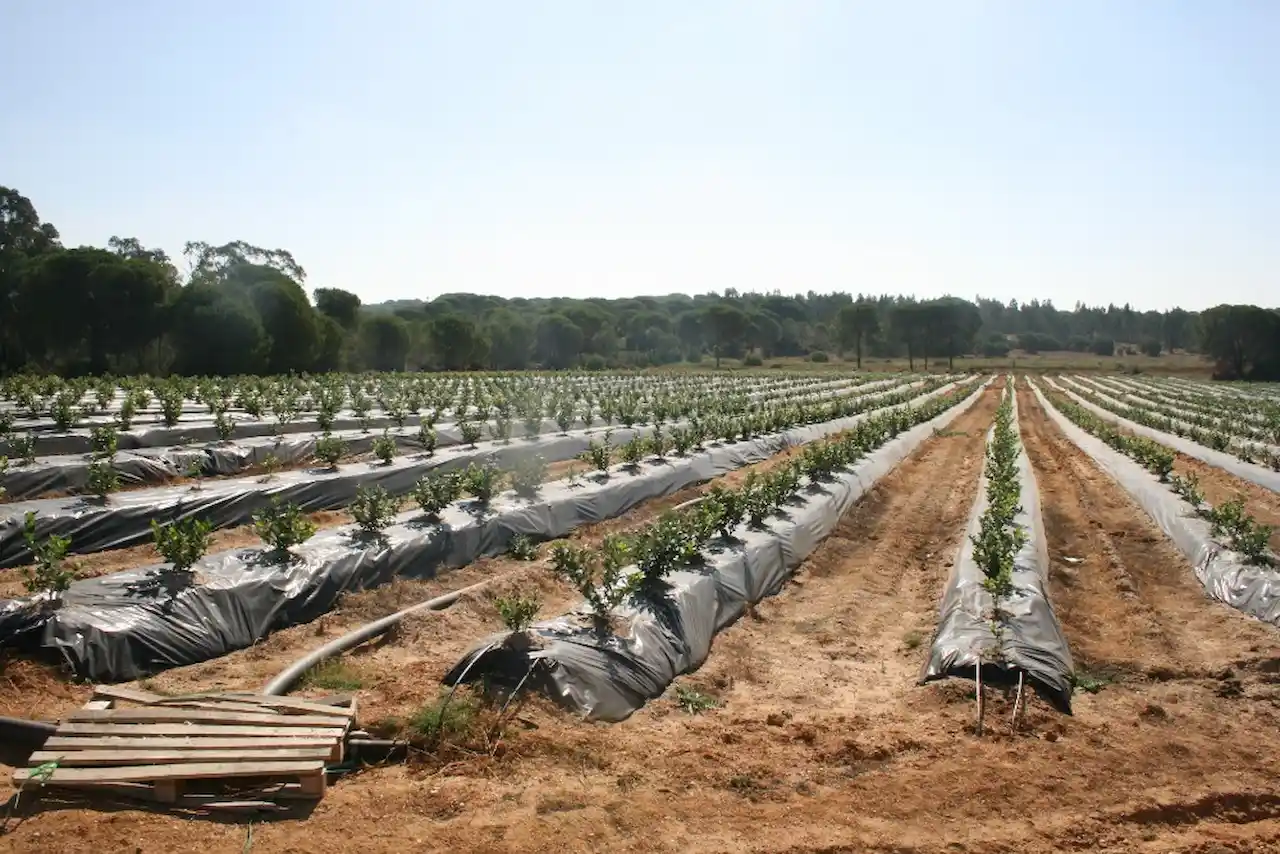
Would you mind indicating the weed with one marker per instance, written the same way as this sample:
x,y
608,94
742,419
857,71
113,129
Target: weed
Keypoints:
x,y
446,718
694,701
333,675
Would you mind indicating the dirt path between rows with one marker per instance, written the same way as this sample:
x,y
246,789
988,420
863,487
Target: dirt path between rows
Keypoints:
x,y
823,741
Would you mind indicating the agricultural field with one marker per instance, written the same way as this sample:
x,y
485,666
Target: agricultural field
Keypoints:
x,y
680,611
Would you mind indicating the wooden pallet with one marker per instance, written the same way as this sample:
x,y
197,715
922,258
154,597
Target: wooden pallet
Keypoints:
x,y
172,749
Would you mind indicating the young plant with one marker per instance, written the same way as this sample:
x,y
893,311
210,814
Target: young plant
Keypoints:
x,y
24,447
128,409
171,406
666,545
223,426
103,440
471,432
723,510
436,491
481,481
182,543
373,509
528,476
632,452
598,454
384,448
49,572
427,438
517,612
102,478
523,548
282,526
63,410
330,449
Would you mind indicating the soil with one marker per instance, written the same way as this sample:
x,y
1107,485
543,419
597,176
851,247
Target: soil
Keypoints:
x,y
821,740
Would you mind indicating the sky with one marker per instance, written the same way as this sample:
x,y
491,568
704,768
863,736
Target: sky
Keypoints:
x,y
1117,151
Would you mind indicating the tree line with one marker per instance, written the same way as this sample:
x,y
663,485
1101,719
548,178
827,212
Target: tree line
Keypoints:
x,y
243,309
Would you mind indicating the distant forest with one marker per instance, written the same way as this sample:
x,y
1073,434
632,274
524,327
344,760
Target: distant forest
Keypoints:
x,y
242,309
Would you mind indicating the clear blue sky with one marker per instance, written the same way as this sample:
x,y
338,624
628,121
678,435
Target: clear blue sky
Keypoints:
x,y
1095,151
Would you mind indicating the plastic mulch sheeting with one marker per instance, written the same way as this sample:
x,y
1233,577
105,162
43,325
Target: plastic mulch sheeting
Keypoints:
x,y
607,676
1229,463
1033,641
126,625
125,519
1226,576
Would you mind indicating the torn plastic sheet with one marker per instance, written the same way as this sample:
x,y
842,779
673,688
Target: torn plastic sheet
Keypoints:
x,y
123,626
126,518
1229,463
1225,574
609,676
1033,641
199,427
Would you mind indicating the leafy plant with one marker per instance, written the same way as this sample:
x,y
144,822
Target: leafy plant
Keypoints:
x,y
523,547
282,526
598,454
427,438
517,612
528,476
102,479
693,701
448,717
171,404
384,448
633,451
481,481
104,439
24,447
63,410
330,449
373,509
724,510
223,425
668,544
470,432
128,408
333,675
49,572
436,491
183,542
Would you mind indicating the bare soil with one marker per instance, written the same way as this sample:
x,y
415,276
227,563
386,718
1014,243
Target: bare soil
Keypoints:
x,y
822,740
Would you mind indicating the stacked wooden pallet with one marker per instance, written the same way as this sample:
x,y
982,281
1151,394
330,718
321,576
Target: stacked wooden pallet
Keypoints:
x,y
180,749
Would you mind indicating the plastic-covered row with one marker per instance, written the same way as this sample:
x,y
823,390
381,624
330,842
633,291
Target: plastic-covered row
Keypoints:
x,y
607,676
1225,574
1032,641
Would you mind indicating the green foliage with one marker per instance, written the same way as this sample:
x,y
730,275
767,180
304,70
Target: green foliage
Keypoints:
x,y
223,425
528,476
481,481
104,439
384,448
330,449
999,535
693,701
447,718
598,454
102,479
436,491
333,674
470,432
523,547
282,526
24,447
427,438
49,571
183,542
517,612
373,509
633,451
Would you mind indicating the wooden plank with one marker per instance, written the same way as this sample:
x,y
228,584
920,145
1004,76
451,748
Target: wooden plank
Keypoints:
x,y
213,704
160,742
159,715
184,771
122,692
68,744
132,730
97,705
87,758
287,705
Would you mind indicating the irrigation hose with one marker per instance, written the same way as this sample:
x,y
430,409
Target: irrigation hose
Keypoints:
x,y
288,678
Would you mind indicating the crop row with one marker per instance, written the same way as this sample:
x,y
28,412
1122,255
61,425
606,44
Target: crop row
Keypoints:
x,y
653,599
1213,433
1230,521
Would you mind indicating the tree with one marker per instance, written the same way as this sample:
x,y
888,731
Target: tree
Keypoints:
x,y
384,342
332,351
1176,329
558,342
287,317
1244,340
689,331
23,237
725,325
216,331
215,263
511,340
1151,346
342,306
907,323
855,324
457,343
